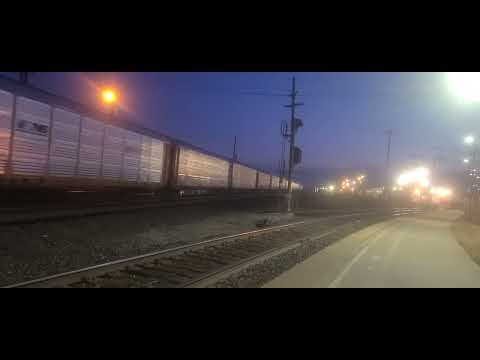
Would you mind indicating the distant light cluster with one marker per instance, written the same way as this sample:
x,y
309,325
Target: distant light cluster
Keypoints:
x,y
342,186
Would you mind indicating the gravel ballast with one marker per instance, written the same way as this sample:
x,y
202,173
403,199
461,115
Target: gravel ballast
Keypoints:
x,y
29,251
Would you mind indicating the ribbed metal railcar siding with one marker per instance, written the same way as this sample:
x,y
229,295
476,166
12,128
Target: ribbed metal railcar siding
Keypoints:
x,y
31,138
157,163
131,156
65,133
6,109
244,177
144,176
91,142
275,183
263,181
112,152
296,186
199,170
54,143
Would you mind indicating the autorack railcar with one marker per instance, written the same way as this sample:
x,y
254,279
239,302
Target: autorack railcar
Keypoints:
x,y
49,141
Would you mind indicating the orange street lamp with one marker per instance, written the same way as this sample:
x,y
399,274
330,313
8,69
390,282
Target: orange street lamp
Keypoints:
x,y
109,96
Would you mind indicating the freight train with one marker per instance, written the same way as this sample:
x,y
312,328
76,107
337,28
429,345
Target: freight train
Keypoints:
x,y
49,141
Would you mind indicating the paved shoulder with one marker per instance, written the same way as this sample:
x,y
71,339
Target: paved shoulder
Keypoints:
x,y
405,252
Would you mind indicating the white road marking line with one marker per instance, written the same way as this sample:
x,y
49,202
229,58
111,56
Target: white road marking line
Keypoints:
x,y
393,248
345,271
357,257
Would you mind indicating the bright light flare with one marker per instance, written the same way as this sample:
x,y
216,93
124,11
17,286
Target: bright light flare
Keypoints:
x,y
469,140
109,96
442,192
466,161
465,85
419,176
424,183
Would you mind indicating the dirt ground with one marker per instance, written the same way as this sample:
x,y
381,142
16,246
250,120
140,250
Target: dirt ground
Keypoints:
x,y
468,236
34,250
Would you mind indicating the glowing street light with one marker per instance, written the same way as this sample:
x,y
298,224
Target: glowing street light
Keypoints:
x,y
465,85
466,161
469,140
109,96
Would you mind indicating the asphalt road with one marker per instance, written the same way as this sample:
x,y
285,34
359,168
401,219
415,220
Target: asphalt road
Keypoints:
x,y
406,252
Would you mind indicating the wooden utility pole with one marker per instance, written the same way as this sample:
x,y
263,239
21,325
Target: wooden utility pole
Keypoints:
x,y
293,129
235,156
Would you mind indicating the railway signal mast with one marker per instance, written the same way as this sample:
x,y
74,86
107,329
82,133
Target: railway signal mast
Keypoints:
x,y
295,152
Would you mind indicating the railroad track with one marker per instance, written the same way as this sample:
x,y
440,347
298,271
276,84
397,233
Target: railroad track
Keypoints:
x,y
193,265
45,212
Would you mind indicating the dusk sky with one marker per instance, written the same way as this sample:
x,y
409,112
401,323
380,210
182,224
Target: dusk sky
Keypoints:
x,y
345,114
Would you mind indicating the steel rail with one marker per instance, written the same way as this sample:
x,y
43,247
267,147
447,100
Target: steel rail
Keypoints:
x,y
149,255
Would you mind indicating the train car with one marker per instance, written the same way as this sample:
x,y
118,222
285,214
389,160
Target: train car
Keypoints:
x,y
46,140
132,151
296,186
283,185
197,170
52,145
263,181
29,139
6,108
244,177
275,185
90,149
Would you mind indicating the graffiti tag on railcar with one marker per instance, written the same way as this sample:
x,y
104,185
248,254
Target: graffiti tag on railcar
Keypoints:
x,y
32,128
